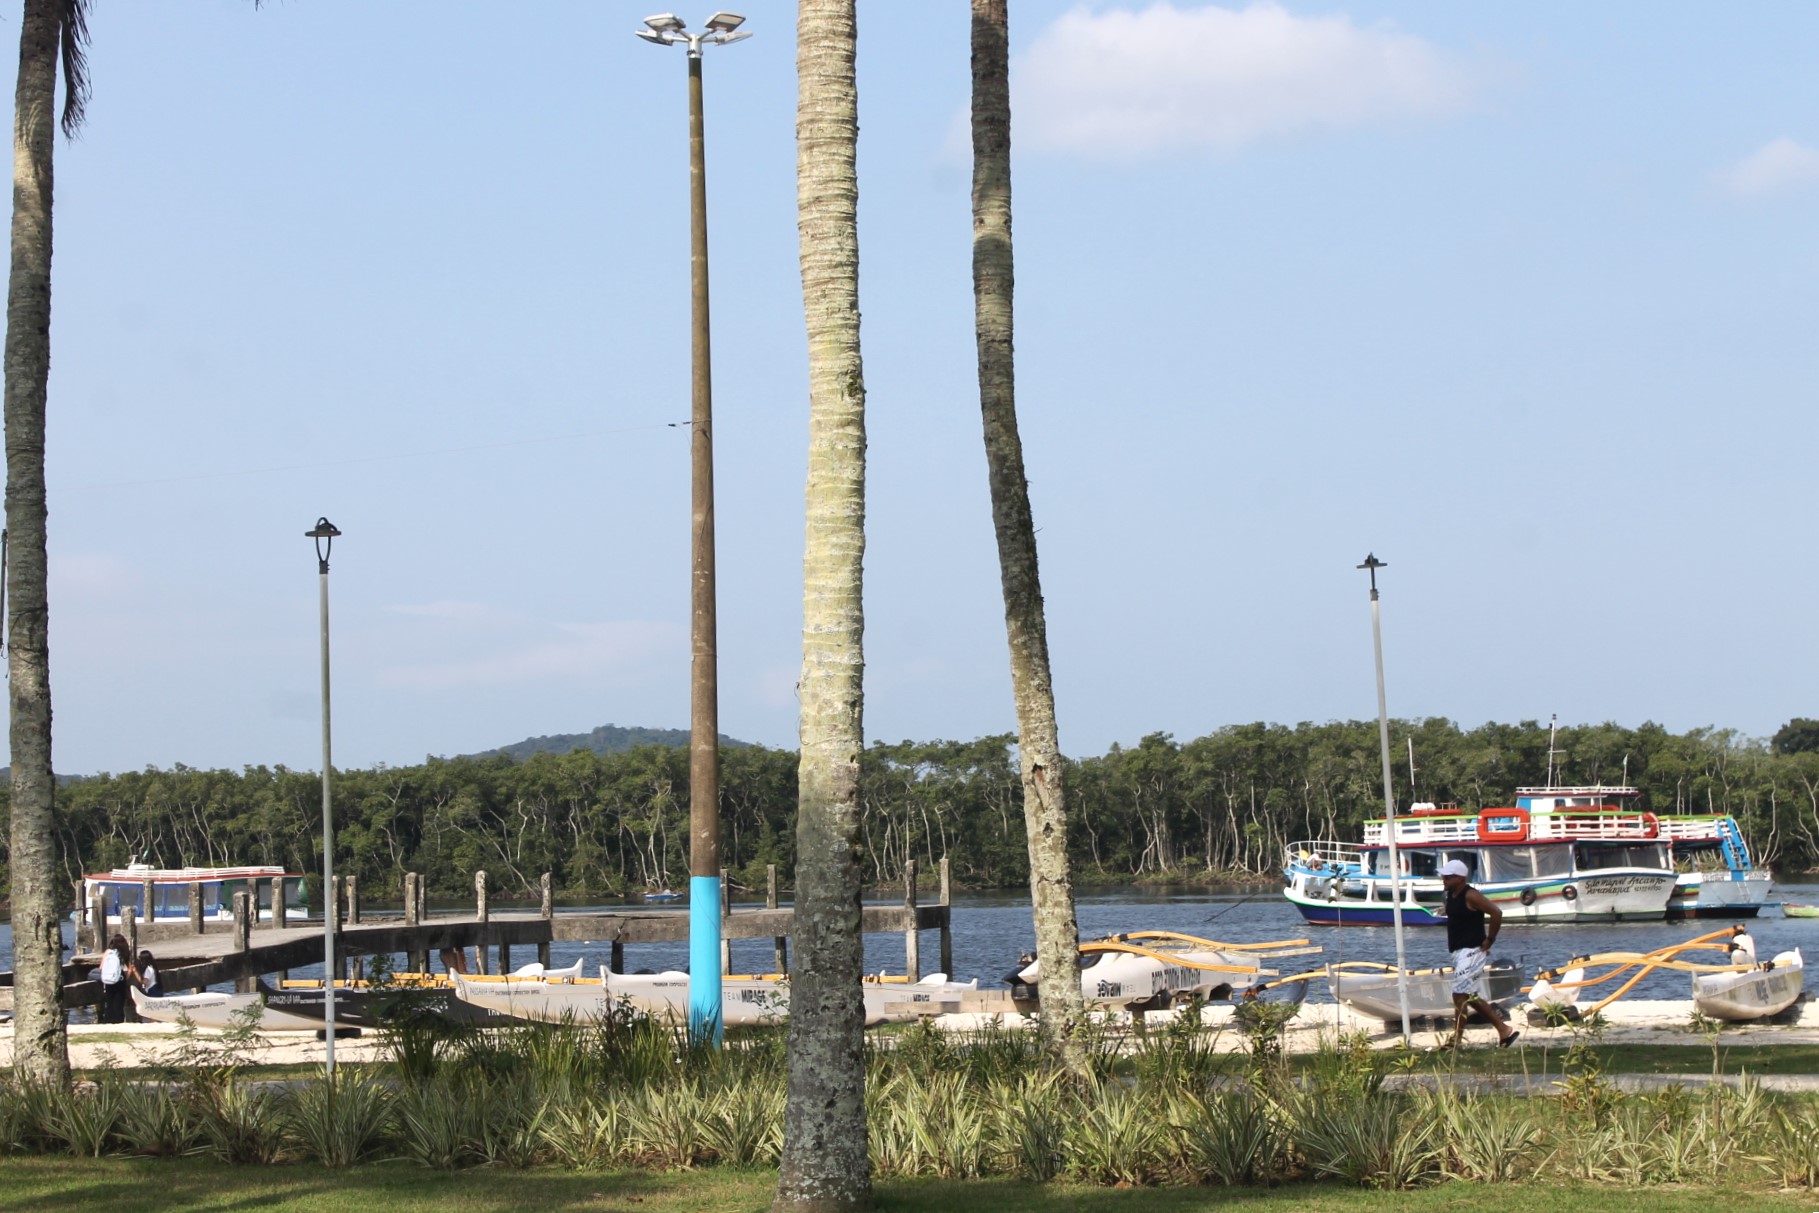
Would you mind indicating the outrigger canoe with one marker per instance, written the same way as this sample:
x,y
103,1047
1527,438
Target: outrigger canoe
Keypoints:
x,y
1757,993
1371,989
1152,970
745,1001
1563,986
210,1009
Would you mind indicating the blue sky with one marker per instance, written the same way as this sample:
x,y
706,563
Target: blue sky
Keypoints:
x,y
1517,297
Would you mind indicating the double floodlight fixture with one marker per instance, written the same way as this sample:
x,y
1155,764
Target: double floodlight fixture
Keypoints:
x,y
667,29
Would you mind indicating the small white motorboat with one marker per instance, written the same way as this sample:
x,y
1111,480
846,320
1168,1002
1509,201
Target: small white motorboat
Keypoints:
x,y
1754,993
1371,989
209,1009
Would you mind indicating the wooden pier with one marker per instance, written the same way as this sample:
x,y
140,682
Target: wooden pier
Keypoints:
x,y
200,952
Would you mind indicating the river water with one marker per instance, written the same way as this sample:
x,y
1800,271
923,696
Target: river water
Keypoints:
x,y
991,930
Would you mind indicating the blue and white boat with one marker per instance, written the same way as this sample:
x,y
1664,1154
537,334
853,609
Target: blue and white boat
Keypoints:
x,y
163,894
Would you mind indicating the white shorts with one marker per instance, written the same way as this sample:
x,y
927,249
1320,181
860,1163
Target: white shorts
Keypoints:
x,y
1468,972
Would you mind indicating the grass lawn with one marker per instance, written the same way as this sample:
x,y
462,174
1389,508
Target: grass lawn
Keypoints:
x,y
151,1186
1632,1059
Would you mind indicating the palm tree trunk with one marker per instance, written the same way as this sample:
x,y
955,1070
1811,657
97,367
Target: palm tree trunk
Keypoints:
x,y
1038,742
825,1167
40,1044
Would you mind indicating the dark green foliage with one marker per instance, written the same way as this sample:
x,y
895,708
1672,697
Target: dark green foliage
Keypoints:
x,y
607,739
606,824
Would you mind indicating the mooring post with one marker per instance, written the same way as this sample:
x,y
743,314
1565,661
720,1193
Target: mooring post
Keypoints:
x,y
276,897
549,913
422,899
480,913
243,936
97,917
779,942
616,957
147,892
353,901
417,959
912,933
195,907
726,913
334,927
129,927
947,922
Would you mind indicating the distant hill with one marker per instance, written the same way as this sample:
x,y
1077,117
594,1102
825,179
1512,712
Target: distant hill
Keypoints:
x,y
607,739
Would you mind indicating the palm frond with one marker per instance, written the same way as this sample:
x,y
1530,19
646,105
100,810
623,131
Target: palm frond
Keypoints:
x,y
72,40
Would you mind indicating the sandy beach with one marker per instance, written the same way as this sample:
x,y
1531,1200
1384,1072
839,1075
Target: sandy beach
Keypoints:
x,y
138,1045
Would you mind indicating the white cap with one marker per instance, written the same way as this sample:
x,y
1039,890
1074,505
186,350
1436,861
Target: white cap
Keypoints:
x,y
1454,867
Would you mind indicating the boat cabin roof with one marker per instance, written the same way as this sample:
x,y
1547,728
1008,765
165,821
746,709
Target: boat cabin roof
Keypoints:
x,y
139,873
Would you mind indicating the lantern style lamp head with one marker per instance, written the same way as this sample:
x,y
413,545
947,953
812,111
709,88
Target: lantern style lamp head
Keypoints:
x,y
324,535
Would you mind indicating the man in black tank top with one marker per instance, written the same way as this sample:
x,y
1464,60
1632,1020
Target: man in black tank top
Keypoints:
x,y
1469,939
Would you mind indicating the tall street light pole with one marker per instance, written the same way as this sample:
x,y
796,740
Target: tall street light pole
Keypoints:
x,y
704,893
324,535
1389,797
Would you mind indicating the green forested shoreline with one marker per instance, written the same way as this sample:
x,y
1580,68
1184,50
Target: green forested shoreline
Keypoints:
x,y
1220,805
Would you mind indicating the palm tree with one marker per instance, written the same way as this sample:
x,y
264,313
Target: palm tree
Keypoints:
x,y
1038,745
825,1165
51,30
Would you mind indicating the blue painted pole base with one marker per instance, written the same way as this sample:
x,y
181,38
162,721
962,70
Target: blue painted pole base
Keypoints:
x,y
705,1023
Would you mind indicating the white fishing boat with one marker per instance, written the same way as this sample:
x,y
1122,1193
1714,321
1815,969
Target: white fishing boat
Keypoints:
x,y
163,894
209,1009
1754,993
1371,989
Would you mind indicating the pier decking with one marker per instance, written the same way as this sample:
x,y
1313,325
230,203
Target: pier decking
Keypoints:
x,y
197,953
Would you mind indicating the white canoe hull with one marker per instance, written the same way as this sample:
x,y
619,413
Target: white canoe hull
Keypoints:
x,y
744,1002
1430,994
213,1010
1755,994
1132,979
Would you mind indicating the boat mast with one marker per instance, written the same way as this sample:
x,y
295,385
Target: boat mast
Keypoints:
x,y
1553,729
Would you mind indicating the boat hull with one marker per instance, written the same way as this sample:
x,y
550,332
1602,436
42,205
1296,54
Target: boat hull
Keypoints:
x,y
1719,895
1430,994
1756,994
744,1002
221,1011
369,1007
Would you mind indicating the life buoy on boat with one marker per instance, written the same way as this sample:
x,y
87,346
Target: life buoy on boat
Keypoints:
x,y
1503,825
1528,896
1570,893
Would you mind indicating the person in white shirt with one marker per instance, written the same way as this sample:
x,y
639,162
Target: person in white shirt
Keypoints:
x,y
115,963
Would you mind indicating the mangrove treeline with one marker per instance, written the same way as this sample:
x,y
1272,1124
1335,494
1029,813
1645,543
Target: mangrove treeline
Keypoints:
x,y
1220,805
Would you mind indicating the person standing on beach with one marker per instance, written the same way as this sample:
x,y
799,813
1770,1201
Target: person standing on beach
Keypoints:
x,y
116,963
1469,939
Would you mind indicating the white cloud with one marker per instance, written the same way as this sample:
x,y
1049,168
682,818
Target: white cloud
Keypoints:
x,y
1779,164
1122,83
568,652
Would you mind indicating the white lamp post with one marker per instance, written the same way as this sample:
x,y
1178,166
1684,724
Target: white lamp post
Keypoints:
x,y
324,535
1389,798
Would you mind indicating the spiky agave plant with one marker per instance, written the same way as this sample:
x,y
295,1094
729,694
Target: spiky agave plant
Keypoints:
x,y
342,1121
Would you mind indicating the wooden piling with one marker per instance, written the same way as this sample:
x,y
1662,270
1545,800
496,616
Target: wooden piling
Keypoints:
x,y
275,895
480,912
726,912
353,900
413,912
912,935
195,907
947,922
410,899
779,942
616,957
147,891
97,918
244,909
549,912
129,927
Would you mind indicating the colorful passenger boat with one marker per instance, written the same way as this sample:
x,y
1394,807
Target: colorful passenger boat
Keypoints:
x,y
1561,854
